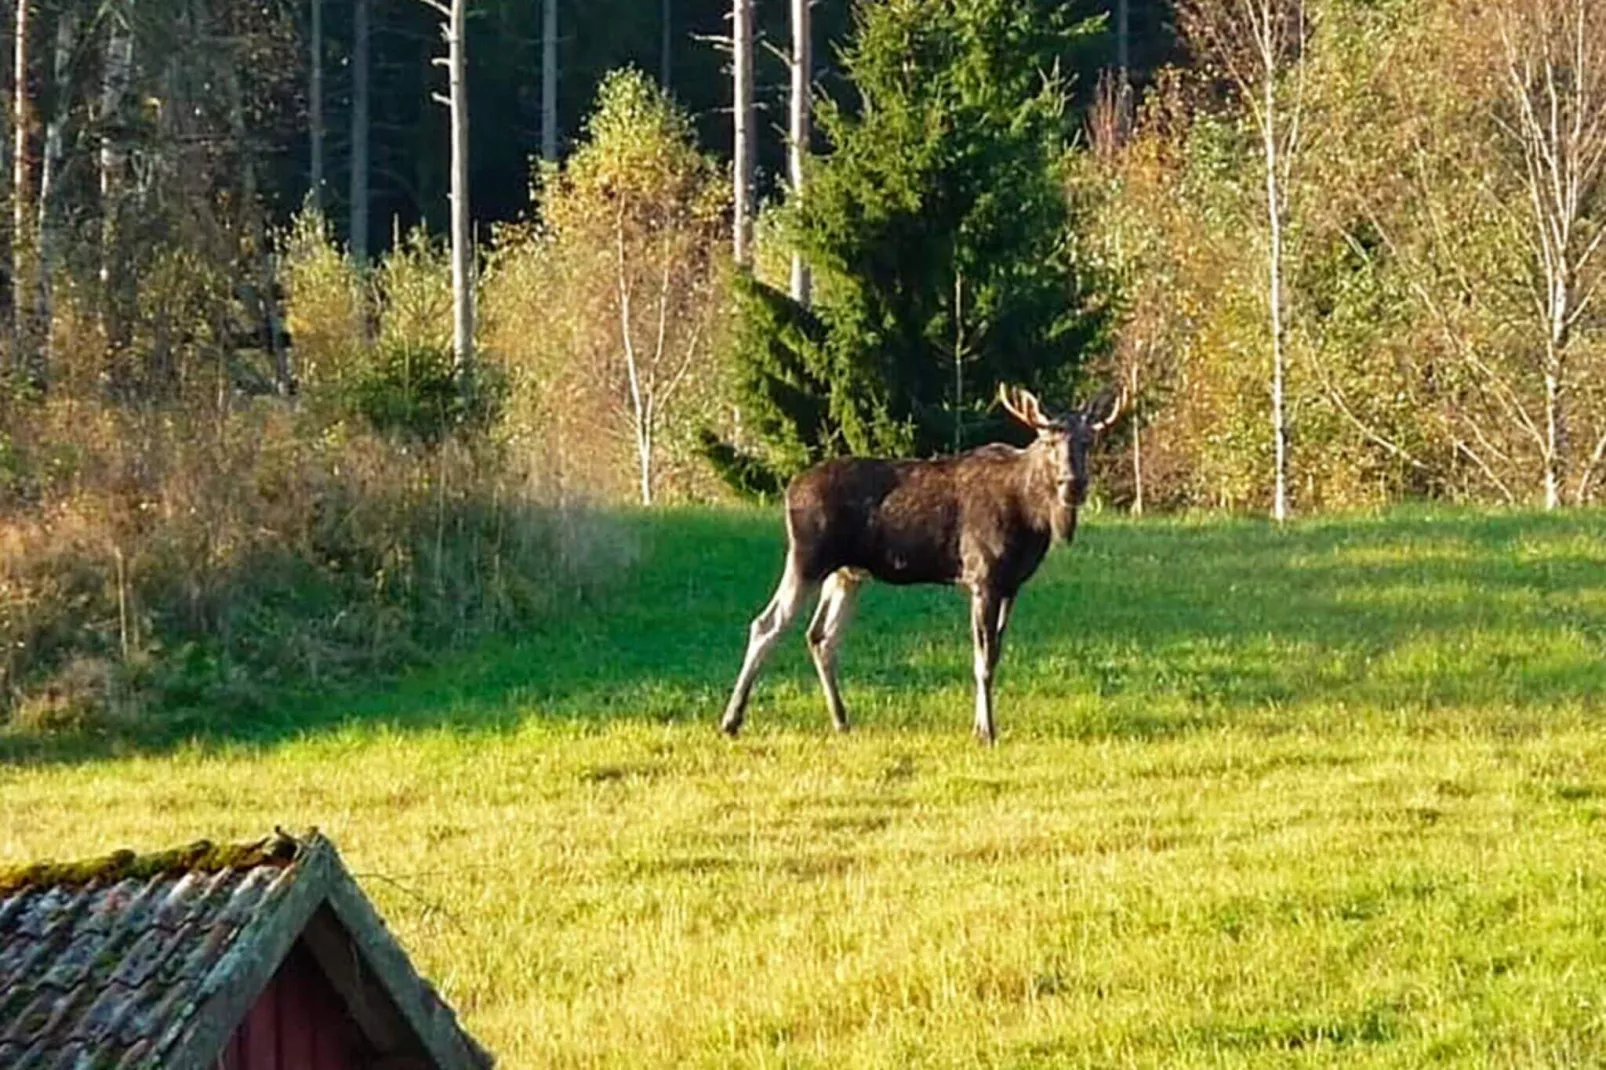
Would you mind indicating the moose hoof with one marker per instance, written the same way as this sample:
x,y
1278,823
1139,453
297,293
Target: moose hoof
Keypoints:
x,y
730,725
986,737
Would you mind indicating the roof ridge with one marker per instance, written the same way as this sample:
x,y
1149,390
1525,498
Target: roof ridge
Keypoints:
x,y
201,856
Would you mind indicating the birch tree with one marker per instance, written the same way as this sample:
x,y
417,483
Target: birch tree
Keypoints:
x,y
22,246
1481,166
797,142
49,222
1554,121
116,76
1260,46
453,13
742,84
634,219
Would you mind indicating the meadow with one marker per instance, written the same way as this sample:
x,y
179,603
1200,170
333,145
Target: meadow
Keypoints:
x,y
1325,795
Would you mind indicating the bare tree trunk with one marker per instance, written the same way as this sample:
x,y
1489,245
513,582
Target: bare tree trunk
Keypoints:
x,y
359,131
549,81
452,14
1555,416
1137,447
22,251
798,135
1123,65
315,105
959,355
6,244
258,282
462,237
742,43
666,67
641,421
115,79
48,229
1123,38
1274,282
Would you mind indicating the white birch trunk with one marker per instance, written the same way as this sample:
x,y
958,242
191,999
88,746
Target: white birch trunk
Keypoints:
x,y
798,133
742,76
1274,215
462,238
1137,448
49,232
640,410
21,196
115,78
1555,418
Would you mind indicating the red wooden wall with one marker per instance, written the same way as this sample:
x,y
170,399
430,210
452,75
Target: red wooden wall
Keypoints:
x,y
298,1023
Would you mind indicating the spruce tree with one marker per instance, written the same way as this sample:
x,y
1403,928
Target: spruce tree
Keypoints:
x,y
942,243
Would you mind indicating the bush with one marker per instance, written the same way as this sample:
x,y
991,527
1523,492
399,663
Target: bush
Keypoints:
x,y
178,565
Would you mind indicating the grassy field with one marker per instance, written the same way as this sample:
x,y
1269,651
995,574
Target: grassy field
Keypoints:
x,y
1329,795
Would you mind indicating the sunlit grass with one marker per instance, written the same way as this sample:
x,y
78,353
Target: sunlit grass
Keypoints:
x,y
1326,796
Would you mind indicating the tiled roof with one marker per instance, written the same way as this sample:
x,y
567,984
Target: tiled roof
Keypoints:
x,y
140,962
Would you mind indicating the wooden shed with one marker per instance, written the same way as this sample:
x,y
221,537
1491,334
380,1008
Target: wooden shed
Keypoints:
x,y
261,956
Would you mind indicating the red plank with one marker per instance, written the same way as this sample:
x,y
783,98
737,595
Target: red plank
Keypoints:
x,y
298,1023
259,1032
299,1017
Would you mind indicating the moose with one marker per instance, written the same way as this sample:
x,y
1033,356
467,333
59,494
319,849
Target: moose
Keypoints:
x,y
982,520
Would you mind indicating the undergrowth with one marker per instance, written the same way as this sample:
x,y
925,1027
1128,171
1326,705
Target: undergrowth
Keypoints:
x,y
170,567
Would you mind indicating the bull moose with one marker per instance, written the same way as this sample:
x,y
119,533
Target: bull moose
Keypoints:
x,y
982,520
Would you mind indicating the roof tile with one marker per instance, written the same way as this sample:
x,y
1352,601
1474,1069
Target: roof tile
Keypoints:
x,y
74,961
110,964
98,960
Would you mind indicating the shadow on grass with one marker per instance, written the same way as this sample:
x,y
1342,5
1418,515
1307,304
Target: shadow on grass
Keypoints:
x,y
1143,629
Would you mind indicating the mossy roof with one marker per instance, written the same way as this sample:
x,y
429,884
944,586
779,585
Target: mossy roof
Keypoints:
x,y
134,961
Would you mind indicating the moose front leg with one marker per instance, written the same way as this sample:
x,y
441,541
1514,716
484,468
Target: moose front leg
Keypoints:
x,y
987,609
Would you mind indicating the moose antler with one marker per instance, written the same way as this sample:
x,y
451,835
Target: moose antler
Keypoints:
x,y
1116,408
1022,405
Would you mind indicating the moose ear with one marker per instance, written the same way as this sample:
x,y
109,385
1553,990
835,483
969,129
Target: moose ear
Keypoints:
x,y
1108,407
1023,406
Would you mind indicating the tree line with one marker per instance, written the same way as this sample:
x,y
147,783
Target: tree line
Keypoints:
x,y
1333,276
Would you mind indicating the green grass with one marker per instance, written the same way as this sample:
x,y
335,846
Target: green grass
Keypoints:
x,y
1330,795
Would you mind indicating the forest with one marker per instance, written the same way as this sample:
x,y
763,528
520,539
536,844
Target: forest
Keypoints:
x,y
307,372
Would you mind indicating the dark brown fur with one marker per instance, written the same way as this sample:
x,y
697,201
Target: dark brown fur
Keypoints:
x,y
989,514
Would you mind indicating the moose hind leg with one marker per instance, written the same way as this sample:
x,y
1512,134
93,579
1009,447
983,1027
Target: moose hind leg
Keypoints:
x,y
825,633
761,638
986,629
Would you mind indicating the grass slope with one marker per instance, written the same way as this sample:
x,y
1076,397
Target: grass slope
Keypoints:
x,y
1331,795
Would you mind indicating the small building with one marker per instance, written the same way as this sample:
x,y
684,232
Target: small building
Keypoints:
x,y
261,956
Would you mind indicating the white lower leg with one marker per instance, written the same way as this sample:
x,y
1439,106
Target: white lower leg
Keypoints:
x,y
825,633
765,632
984,695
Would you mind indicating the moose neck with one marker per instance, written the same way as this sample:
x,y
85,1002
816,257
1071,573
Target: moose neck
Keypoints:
x,y
1044,505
